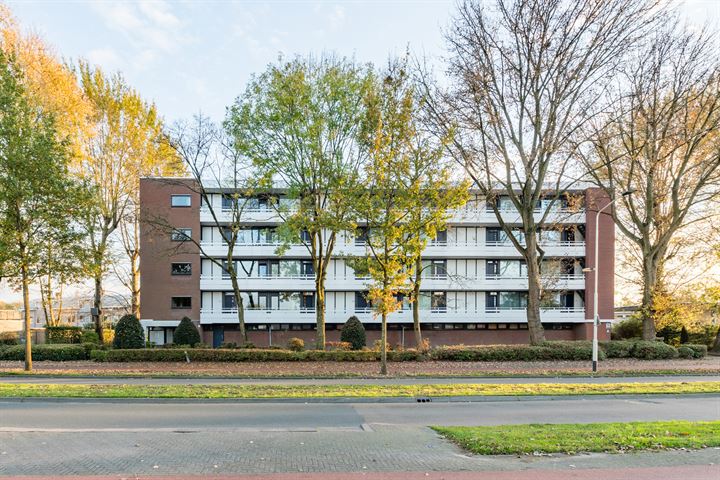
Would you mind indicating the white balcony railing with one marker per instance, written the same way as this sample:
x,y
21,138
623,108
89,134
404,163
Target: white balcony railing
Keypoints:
x,y
438,315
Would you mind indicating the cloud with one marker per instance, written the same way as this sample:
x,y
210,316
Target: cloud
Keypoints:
x,y
107,58
148,25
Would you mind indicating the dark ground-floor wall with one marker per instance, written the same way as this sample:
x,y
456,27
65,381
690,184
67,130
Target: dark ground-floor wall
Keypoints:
x,y
263,338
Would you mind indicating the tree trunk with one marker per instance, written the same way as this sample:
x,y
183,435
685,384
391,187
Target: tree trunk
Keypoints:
x,y
535,328
240,305
648,298
383,345
97,304
28,321
320,311
135,284
416,304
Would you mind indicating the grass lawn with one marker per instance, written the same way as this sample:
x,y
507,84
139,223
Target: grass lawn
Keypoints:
x,y
575,437
347,391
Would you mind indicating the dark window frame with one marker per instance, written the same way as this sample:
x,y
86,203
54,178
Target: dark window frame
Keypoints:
x,y
175,235
180,274
173,305
180,195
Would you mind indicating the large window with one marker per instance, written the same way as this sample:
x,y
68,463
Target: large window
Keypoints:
x,y
181,302
361,301
181,268
181,234
434,301
180,200
438,268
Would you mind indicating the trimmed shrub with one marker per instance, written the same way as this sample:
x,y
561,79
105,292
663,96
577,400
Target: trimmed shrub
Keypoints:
x,y
63,334
296,344
699,351
9,338
645,350
186,333
338,346
48,352
90,336
685,352
508,353
129,333
618,348
248,355
353,332
630,328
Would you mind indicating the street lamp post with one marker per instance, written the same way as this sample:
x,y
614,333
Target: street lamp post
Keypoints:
x,y
596,319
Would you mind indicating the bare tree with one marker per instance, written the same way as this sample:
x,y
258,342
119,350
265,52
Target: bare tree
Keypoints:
x,y
216,167
524,75
662,139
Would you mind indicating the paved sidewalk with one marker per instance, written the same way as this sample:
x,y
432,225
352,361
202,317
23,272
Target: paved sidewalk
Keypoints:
x,y
691,472
354,381
385,449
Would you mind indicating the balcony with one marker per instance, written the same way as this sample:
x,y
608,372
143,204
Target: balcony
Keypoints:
x,y
352,283
470,215
258,215
255,316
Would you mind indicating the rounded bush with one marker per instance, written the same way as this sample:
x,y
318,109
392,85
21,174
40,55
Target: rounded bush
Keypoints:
x,y
90,336
618,348
9,338
296,344
685,352
645,350
186,333
630,328
353,333
129,333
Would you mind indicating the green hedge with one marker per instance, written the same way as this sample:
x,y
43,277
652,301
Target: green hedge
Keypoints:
x,y
63,335
54,352
508,353
618,348
248,355
645,350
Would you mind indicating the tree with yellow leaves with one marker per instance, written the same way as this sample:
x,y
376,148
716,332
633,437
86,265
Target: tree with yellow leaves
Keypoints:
x,y
126,145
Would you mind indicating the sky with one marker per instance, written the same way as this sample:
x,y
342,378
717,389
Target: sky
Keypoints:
x,y
191,56
197,56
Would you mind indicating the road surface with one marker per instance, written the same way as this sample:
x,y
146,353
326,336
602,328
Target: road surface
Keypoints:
x,y
200,438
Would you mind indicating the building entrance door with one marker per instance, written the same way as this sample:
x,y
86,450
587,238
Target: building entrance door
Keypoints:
x,y
218,335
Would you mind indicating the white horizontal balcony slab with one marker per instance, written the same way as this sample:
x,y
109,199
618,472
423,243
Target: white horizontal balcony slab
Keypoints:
x,y
251,215
434,250
263,250
254,316
473,216
288,283
350,283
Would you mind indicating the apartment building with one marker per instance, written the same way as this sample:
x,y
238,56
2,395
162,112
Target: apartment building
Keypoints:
x,y
474,289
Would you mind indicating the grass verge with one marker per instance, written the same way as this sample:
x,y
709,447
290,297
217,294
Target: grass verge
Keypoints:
x,y
347,391
343,375
592,437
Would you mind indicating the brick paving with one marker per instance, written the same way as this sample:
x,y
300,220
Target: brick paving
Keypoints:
x,y
384,449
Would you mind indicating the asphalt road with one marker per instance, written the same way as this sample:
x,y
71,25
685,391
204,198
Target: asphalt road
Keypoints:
x,y
200,416
353,381
127,440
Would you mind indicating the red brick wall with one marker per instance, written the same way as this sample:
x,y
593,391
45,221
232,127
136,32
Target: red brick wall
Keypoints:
x,y
595,199
157,252
436,337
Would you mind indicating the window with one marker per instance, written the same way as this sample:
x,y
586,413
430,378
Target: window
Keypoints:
x,y
181,234
361,236
180,200
493,235
307,268
181,302
229,301
228,202
492,267
438,268
181,268
438,301
361,301
307,301
440,237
